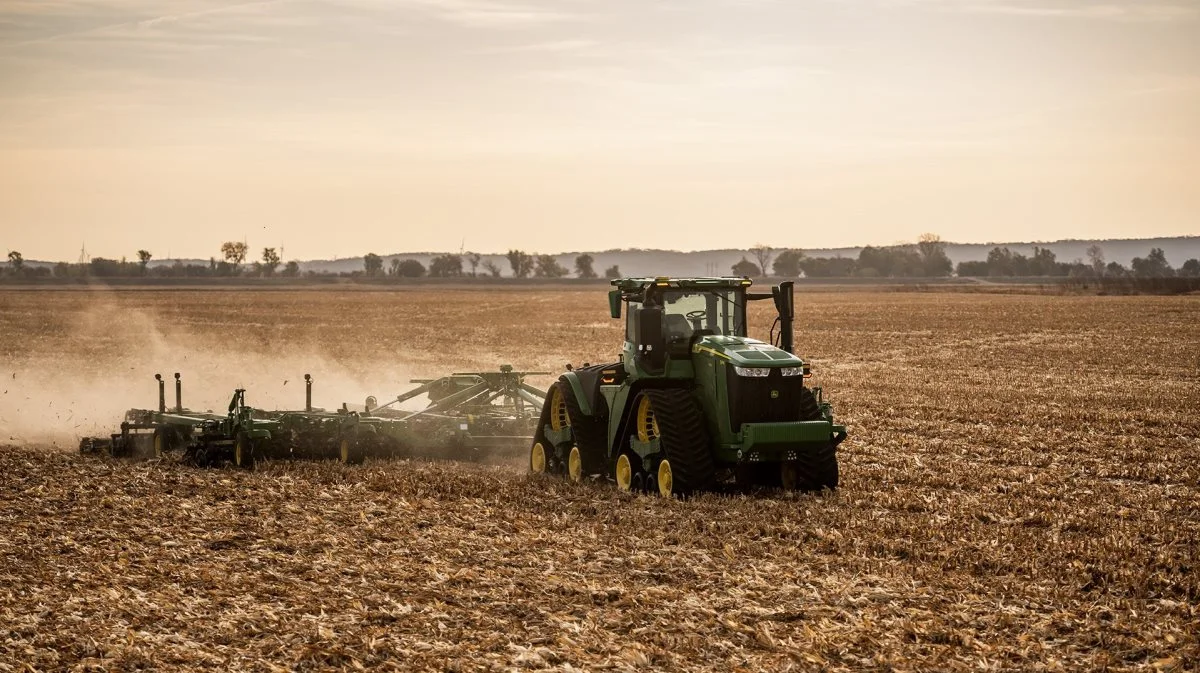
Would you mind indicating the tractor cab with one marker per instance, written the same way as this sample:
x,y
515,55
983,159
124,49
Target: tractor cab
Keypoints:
x,y
668,317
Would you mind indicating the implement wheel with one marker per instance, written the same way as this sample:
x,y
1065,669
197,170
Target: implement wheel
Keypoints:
x,y
350,452
687,463
166,440
244,454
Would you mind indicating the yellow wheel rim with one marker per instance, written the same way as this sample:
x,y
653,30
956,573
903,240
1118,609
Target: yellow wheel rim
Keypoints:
x,y
344,451
239,453
664,479
789,477
558,410
158,444
575,465
624,473
537,459
647,424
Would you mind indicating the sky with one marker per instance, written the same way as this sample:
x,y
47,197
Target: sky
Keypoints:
x,y
340,127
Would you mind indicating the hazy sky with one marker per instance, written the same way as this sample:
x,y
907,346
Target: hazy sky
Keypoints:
x,y
338,127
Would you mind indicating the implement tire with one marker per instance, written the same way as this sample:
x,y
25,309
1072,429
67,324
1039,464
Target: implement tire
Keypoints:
x,y
684,439
245,454
589,433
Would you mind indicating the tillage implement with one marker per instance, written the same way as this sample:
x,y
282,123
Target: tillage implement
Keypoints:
x,y
693,402
467,415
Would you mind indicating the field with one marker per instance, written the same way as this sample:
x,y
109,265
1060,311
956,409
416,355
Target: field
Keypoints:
x,y
1021,491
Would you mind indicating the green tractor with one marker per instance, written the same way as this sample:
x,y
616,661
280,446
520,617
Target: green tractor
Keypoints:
x,y
693,403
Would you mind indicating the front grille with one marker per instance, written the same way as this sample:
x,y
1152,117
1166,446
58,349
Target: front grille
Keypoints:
x,y
751,399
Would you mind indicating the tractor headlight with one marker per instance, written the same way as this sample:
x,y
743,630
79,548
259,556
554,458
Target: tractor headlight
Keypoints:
x,y
792,371
752,371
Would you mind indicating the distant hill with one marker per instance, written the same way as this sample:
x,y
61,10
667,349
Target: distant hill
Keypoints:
x,y
636,262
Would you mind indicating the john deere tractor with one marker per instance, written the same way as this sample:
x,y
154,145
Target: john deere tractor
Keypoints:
x,y
693,402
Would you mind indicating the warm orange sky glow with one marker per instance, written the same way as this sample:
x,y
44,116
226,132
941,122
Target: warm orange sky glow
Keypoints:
x,y
338,127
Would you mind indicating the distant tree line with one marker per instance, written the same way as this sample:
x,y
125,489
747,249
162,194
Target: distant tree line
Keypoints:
x,y
450,265
232,264
928,259
925,259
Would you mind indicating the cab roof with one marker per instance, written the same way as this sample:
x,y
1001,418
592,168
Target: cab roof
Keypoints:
x,y
628,284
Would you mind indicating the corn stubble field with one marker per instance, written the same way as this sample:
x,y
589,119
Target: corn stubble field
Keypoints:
x,y
1020,491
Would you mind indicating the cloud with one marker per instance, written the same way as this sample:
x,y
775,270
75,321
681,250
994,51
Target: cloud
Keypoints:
x,y
552,46
488,13
1112,10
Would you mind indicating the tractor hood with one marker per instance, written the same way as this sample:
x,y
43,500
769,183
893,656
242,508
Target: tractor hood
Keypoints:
x,y
745,352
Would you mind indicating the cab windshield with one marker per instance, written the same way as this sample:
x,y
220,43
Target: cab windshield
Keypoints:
x,y
687,311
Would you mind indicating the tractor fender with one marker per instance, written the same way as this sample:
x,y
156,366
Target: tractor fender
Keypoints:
x,y
585,404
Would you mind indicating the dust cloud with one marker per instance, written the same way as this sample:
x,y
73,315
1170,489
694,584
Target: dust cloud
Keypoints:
x,y
57,395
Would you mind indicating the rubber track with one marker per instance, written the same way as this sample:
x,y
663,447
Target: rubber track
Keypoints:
x,y
809,409
819,469
590,433
539,435
684,438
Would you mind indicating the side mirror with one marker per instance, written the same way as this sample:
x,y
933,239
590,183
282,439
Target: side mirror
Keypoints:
x,y
785,304
651,345
784,300
614,303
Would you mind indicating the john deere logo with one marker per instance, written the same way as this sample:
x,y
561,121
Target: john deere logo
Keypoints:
x,y
774,394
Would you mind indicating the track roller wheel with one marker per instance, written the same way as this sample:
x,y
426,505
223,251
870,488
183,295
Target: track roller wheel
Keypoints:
x,y
623,473
575,465
537,459
244,455
666,481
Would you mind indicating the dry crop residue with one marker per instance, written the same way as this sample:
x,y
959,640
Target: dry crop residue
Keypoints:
x,y
1020,491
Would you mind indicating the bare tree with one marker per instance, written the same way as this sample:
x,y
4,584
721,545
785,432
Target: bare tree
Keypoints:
x,y
473,259
1096,258
144,259
492,268
270,261
763,253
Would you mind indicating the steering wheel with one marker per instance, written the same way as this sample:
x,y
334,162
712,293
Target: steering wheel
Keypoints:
x,y
698,314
